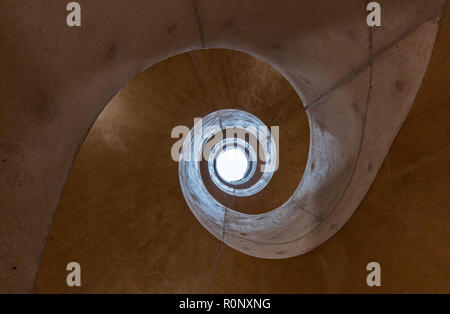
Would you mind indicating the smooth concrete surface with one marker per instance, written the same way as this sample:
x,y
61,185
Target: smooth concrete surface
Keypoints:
x,y
342,143
123,201
402,223
348,77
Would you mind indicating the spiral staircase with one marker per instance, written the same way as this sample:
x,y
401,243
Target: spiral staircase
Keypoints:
x,y
85,144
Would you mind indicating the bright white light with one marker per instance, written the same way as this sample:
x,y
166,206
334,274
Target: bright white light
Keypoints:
x,y
232,164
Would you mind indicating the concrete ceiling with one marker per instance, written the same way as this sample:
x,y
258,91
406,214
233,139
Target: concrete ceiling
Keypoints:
x,y
356,85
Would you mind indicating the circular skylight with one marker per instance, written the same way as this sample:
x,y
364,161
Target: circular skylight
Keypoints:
x,y
232,164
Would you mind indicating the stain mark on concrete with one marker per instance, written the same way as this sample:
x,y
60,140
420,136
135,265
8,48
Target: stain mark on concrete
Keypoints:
x,y
356,108
112,52
399,86
370,168
47,110
230,23
171,29
351,34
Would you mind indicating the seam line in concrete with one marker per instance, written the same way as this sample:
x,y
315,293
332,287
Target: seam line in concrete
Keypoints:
x,y
219,251
199,23
374,56
213,269
371,61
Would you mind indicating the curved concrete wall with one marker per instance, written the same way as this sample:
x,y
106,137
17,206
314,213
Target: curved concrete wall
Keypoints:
x,y
348,76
